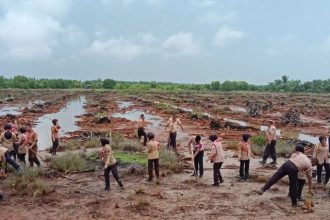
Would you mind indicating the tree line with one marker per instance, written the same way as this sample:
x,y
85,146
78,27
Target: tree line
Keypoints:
x,y
280,85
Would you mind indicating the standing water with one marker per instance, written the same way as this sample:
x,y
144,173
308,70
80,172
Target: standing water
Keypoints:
x,y
67,120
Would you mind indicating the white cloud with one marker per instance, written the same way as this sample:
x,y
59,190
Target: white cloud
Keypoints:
x,y
226,35
181,44
29,29
270,52
120,49
212,17
130,2
147,38
288,37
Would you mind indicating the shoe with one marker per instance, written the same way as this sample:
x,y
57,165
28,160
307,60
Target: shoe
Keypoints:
x,y
262,162
194,174
107,189
272,163
261,191
200,176
149,180
294,205
215,184
221,181
241,180
121,184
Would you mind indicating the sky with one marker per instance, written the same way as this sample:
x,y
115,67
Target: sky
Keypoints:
x,y
192,41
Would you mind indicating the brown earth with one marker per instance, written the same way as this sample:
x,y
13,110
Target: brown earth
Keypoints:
x,y
178,196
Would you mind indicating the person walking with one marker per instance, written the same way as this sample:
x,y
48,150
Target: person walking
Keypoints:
x,y
270,149
217,157
110,164
22,144
298,162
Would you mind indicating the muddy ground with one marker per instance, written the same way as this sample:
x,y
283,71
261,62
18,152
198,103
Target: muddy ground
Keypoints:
x,y
178,196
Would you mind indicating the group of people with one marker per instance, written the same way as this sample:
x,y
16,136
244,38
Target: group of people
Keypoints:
x,y
16,143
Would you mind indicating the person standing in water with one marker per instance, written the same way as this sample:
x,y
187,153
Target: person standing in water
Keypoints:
x,y
141,132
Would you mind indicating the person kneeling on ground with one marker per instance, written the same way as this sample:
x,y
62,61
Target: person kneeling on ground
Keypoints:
x,y
298,162
198,154
244,155
110,163
217,157
5,157
153,156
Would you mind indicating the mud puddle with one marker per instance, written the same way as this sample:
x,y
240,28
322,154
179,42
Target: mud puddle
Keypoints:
x,y
124,104
67,120
13,110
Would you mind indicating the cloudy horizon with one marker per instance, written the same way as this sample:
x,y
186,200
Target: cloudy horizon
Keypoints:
x,y
192,41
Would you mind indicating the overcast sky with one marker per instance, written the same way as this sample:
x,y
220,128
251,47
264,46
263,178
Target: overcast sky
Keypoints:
x,y
166,40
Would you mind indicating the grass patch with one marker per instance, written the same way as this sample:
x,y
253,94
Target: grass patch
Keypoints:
x,y
30,182
168,159
70,162
128,145
259,140
130,158
283,149
92,143
231,145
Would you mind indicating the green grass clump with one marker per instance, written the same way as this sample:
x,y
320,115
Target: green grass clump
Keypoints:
x,y
29,182
259,140
128,145
92,143
131,158
168,159
69,162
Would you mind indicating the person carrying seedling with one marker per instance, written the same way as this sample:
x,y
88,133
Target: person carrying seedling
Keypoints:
x,y
110,163
173,123
217,157
322,155
8,142
196,149
298,162
55,136
32,146
141,132
270,149
244,155
153,148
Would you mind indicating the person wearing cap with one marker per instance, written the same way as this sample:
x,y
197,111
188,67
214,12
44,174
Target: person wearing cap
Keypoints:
x,y
110,163
298,162
270,149
322,155
141,132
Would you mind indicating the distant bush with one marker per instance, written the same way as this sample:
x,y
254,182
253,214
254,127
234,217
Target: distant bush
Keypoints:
x,y
92,143
259,140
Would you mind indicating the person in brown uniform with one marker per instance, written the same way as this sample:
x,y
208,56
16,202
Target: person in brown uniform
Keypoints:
x,y
298,162
244,155
55,136
153,156
22,144
110,163
32,146
270,149
141,132
322,155
173,123
8,142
